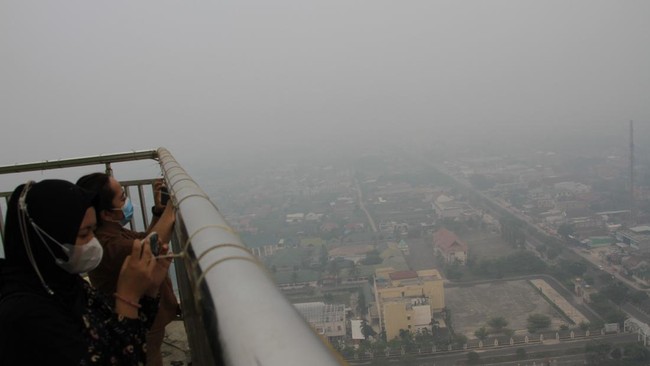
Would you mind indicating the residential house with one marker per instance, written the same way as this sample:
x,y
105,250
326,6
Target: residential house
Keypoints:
x,y
447,207
452,249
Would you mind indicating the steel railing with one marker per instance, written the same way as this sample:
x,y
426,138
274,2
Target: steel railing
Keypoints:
x,y
233,312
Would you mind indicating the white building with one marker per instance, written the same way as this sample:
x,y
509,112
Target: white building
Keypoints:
x,y
327,319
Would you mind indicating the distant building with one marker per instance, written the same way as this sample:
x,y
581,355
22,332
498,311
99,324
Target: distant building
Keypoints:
x,y
407,300
572,187
637,237
354,253
295,217
446,207
268,249
403,247
582,289
356,326
327,319
452,249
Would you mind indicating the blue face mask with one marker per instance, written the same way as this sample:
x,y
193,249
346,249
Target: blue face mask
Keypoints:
x,y
127,211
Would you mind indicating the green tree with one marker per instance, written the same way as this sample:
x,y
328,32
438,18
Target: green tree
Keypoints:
x,y
537,322
459,340
362,307
637,296
565,230
367,330
354,270
497,323
473,358
323,256
406,336
577,269
553,253
636,352
453,271
372,257
616,292
481,333
597,352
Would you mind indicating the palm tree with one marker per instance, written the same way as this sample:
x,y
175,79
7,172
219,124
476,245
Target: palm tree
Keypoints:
x,y
354,270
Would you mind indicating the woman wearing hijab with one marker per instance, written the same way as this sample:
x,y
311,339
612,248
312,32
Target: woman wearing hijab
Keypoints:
x,y
48,313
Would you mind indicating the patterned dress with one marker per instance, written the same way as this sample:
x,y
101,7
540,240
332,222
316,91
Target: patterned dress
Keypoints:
x,y
114,339
39,329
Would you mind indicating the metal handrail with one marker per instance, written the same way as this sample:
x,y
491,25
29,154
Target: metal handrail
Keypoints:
x,y
246,319
233,312
76,162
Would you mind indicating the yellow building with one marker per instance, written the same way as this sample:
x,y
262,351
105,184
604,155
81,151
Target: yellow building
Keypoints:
x,y
407,299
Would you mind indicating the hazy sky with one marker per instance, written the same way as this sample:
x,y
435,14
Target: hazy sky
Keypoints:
x,y
225,79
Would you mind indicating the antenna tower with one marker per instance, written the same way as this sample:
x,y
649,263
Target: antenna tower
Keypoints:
x,y
632,210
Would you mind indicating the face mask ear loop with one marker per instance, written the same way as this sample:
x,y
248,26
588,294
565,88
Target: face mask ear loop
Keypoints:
x,y
22,208
38,231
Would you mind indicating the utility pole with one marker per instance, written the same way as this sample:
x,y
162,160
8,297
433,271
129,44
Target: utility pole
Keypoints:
x,y
632,210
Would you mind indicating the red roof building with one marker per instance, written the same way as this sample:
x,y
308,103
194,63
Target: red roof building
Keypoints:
x,y
450,246
402,275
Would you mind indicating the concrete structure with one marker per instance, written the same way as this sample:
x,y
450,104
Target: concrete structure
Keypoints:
x,y
582,289
407,300
446,207
356,326
447,244
326,319
637,237
268,249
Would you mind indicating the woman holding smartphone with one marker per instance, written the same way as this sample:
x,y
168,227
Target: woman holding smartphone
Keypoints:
x,y
114,211
48,313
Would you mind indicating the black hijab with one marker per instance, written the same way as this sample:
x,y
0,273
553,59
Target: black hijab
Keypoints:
x,y
58,208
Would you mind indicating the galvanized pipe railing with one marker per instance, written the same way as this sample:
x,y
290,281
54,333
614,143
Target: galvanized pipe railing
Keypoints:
x,y
233,312
245,318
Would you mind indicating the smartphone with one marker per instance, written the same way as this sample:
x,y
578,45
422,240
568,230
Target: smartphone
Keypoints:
x,y
164,196
153,243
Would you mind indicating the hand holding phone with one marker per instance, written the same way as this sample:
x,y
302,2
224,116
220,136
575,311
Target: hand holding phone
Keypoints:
x,y
153,243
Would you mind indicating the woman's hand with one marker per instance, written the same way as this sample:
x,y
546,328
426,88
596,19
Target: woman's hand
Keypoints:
x,y
135,274
157,194
159,271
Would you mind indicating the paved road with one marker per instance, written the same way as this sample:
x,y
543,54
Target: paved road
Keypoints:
x,y
453,358
363,206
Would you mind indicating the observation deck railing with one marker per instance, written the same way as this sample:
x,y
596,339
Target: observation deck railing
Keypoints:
x,y
233,312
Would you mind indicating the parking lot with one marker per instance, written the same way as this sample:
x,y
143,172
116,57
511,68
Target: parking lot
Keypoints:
x,y
472,307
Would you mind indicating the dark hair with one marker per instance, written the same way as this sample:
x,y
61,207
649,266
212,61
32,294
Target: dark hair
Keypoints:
x,y
56,207
100,184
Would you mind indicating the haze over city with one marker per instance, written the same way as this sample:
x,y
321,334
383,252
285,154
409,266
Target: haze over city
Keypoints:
x,y
436,175
218,81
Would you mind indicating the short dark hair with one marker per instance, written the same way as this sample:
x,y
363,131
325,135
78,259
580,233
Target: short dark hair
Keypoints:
x,y
98,183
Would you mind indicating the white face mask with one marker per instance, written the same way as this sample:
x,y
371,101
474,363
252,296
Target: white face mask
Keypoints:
x,y
81,258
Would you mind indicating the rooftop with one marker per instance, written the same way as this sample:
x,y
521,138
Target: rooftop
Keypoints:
x,y
319,312
403,275
445,240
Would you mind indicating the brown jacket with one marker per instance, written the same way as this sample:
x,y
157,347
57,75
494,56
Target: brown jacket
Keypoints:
x,y
118,243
